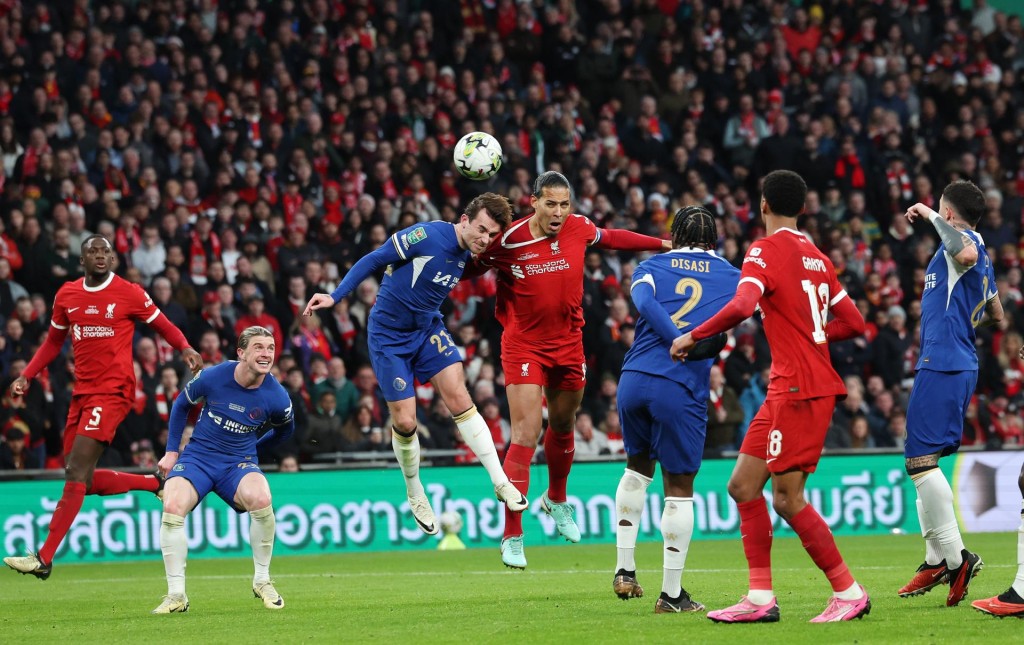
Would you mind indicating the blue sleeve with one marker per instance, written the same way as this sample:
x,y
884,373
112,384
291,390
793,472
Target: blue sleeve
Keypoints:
x,y
283,422
189,396
366,266
652,311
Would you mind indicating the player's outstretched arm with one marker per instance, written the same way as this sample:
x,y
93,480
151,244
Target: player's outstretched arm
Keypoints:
x,y
958,244
620,240
277,435
736,311
177,340
847,322
362,269
49,350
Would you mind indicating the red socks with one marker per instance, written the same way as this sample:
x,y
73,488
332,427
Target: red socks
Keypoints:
x,y
559,450
111,482
65,513
821,546
517,467
756,532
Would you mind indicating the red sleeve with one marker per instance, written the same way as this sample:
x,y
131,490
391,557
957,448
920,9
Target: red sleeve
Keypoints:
x,y
474,269
739,309
171,334
618,239
847,322
143,307
49,351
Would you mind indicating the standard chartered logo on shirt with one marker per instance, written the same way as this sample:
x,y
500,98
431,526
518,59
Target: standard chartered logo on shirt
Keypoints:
x,y
78,332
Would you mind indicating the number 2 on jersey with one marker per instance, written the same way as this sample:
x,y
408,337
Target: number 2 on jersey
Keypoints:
x,y
440,339
694,288
817,298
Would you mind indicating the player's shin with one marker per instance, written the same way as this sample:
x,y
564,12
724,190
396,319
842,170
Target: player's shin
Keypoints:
x,y
676,530
629,507
932,552
559,450
174,546
756,533
821,546
407,450
937,501
477,436
261,539
65,513
517,467
111,482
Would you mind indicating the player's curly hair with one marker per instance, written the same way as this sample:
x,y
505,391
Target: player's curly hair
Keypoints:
x,y
694,226
785,191
498,207
550,179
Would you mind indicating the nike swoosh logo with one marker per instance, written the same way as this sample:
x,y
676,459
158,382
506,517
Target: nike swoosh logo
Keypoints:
x,y
71,309
768,461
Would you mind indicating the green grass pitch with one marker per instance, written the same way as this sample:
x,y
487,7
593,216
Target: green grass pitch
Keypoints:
x,y
468,596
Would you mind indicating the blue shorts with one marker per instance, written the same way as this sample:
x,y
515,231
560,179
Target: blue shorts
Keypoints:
x,y
399,356
936,411
217,473
662,418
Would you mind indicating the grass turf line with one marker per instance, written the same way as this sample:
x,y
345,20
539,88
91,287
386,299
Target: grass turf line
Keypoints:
x,y
443,597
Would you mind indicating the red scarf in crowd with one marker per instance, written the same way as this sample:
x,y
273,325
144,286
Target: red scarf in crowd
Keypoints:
x,y
850,164
199,263
902,179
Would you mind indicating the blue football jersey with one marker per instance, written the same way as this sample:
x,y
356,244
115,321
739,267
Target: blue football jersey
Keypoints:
x,y
692,285
952,305
232,415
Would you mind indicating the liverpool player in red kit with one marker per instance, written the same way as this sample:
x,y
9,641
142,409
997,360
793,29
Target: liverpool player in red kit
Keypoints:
x,y
539,261
796,287
99,311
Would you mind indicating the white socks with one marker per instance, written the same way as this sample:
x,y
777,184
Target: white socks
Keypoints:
x,y
174,546
407,450
676,530
932,554
1018,582
261,539
477,436
629,506
937,503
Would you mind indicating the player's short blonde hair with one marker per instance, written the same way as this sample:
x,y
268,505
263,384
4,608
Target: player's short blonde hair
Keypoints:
x,y
251,332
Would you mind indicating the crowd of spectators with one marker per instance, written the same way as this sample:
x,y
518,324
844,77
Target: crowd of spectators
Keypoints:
x,y
242,154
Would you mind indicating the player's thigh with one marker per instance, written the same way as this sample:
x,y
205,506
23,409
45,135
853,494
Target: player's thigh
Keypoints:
x,y
936,410
567,366
253,491
391,356
525,415
195,471
450,383
96,416
634,413
679,427
228,475
180,496
797,435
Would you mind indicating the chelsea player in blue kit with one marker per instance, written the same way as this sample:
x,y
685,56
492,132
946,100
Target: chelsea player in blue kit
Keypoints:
x,y
663,403
240,402
408,339
959,289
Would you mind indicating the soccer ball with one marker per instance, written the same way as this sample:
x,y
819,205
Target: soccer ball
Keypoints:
x,y
451,522
477,156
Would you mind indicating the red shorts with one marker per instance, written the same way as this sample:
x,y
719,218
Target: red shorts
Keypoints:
x,y
558,366
789,434
96,416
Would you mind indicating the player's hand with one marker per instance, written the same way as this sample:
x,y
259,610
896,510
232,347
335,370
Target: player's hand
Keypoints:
x,y
920,210
193,359
166,463
666,245
318,301
20,386
681,346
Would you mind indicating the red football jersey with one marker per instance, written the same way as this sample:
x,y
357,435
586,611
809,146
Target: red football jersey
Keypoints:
x,y
798,284
102,327
540,280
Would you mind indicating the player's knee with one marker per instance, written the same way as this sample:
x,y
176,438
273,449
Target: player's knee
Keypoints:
x,y
76,473
259,501
786,506
742,491
175,506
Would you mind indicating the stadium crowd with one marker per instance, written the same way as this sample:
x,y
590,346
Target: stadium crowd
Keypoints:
x,y
242,154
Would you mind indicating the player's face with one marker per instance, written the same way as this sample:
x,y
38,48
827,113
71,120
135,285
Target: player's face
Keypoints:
x,y
552,207
479,232
259,355
98,257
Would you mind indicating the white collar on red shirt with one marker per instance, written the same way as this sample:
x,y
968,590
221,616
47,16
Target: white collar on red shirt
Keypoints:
x,y
106,283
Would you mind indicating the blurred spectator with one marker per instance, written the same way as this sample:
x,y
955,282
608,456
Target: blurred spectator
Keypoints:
x,y
324,428
590,442
14,453
724,415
